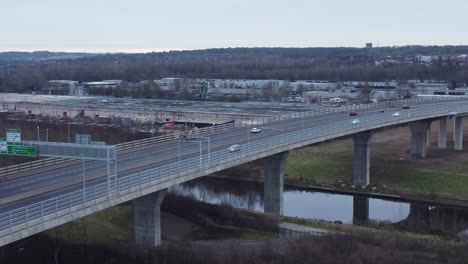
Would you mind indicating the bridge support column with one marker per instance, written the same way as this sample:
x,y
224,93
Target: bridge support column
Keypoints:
x,y
361,158
360,210
442,133
428,136
458,133
418,138
273,186
418,217
148,219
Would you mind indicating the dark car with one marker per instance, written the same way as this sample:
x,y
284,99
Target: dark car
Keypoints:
x,y
352,113
406,107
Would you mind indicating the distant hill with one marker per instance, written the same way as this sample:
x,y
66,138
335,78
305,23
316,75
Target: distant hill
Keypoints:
x,y
42,55
238,54
281,53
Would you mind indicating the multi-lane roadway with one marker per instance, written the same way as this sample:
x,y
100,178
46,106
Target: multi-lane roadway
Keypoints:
x,y
39,185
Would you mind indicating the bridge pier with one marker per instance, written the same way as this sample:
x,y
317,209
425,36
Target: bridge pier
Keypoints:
x,y
418,138
148,219
418,216
458,133
428,136
273,185
361,158
442,133
360,210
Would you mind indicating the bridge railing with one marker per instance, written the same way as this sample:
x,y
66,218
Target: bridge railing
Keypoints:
x,y
21,219
31,165
5,172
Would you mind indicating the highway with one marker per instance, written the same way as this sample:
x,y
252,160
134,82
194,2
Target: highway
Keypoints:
x,y
131,161
54,195
22,191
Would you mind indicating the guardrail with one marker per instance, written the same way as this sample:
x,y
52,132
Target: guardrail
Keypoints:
x,y
289,233
31,165
13,169
100,194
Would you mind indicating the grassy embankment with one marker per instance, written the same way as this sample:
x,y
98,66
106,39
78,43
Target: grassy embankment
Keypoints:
x,y
443,172
106,229
187,219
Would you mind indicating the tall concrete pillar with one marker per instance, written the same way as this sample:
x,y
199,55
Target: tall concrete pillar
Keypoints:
x,y
361,158
453,134
418,217
428,136
360,210
418,138
458,132
442,133
273,186
148,219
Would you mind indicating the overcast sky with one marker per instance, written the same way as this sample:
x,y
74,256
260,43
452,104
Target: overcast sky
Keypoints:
x,y
155,25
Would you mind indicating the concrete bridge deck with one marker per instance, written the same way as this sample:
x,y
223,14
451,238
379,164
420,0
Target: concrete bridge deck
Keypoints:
x,y
42,200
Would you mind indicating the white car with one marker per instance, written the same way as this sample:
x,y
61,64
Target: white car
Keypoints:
x,y
233,148
355,121
396,114
255,130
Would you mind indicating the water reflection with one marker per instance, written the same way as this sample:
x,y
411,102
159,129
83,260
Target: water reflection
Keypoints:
x,y
328,206
300,203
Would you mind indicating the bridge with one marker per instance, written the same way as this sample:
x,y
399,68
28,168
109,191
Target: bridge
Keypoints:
x,y
43,197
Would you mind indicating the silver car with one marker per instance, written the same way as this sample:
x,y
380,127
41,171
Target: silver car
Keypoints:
x,y
233,148
255,130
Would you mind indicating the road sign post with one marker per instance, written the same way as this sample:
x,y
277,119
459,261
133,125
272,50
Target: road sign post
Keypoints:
x,y
11,145
13,135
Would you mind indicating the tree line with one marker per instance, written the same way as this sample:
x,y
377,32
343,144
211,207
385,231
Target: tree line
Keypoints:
x,y
333,64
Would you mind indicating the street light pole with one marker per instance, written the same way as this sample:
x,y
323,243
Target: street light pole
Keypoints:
x,y
209,151
68,132
208,139
201,157
47,134
37,133
84,180
248,140
178,163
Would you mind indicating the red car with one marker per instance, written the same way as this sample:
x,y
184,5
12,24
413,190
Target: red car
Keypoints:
x,y
406,107
352,113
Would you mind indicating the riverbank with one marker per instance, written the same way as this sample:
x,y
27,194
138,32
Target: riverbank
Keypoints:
x,y
184,218
204,233
441,178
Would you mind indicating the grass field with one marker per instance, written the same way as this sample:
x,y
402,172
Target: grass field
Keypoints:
x,y
443,172
108,227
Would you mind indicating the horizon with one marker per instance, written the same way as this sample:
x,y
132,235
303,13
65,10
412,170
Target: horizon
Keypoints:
x,y
143,51
145,25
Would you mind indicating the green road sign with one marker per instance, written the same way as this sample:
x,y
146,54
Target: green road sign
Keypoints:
x,y
13,130
13,135
20,150
11,148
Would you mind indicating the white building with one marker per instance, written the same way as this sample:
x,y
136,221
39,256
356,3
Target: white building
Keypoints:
x,y
423,59
72,88
106,84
